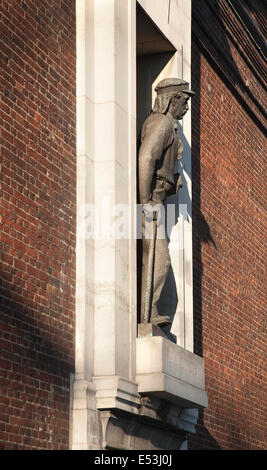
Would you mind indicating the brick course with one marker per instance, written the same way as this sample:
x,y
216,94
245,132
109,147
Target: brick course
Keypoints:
x,y
38,184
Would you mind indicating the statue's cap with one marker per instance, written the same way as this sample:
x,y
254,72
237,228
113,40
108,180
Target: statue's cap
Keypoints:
x,y
173,85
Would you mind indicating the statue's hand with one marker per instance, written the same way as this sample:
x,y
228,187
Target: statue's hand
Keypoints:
x,y
149,211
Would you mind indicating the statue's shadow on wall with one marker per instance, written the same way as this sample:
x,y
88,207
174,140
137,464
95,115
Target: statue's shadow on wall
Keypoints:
x,y
168,302
169,299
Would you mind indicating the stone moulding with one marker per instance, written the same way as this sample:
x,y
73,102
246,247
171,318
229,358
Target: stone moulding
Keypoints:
x,y
114,392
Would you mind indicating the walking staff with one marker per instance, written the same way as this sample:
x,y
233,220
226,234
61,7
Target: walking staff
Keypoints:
x,y
150,269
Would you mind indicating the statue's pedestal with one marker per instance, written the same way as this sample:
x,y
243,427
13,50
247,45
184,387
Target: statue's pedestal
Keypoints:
x,y
168,371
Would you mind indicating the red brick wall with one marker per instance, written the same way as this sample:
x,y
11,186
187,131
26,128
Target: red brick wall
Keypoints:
x,y
228,152
37,56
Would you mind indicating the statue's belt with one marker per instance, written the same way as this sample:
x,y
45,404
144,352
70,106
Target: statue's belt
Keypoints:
x,y
170,188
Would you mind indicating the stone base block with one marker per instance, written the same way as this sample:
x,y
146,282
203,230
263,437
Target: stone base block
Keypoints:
x,y
170,372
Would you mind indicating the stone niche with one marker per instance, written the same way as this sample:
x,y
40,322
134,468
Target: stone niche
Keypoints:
x,y
133,388
165,369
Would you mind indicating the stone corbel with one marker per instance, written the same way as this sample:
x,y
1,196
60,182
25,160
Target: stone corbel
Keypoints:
x,y
131,432
168,371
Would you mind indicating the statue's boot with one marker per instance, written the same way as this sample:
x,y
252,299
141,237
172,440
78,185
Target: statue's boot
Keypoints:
x,y
160,320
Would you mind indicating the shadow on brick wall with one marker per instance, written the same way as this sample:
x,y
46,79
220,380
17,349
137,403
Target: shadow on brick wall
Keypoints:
x,y
202,439
201,229
35,374
213,44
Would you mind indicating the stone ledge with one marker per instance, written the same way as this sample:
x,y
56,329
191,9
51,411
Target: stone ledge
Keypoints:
x,y
170,372
116,392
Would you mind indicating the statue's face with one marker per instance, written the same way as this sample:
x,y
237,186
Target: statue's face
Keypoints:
x,y
179,106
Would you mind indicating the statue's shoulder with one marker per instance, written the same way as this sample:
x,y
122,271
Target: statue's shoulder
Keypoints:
x,y
156,117
157,126
157,120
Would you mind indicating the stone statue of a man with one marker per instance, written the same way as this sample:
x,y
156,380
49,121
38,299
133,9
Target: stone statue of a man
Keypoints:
x,y
160,147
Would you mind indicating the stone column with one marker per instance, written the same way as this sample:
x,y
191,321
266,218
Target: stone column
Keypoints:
x,y
106,185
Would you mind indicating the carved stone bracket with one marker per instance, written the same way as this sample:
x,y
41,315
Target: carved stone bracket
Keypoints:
x,y
131,432
168,371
